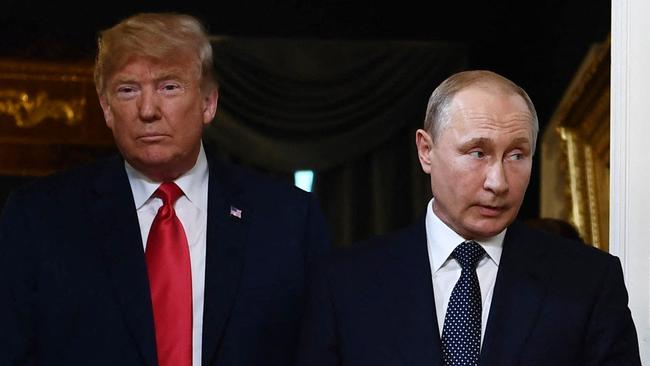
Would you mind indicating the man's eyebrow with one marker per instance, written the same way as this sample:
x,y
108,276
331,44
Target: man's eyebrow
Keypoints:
x,y
173,73
521,141
476,141
124,79
167,75
484,141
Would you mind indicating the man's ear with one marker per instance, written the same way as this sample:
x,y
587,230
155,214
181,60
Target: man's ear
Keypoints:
x,y
106,108
424,145
210,105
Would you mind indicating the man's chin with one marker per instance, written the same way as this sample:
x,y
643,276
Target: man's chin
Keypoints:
x,y
153,162
157,167
485,229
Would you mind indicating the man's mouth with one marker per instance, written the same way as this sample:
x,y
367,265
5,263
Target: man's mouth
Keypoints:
x,y
152,137
491,211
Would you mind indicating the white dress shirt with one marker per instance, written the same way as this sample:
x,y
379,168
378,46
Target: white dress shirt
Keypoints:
x,y
445,271
191,210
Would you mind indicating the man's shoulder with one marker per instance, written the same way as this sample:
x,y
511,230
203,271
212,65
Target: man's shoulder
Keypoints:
x,y
556,249
375,254
264,188
66,182
61,198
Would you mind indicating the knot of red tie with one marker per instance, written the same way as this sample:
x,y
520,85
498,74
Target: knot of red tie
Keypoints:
x,y
168,192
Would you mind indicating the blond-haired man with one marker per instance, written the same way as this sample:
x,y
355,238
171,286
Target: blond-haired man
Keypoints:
x,y
162,255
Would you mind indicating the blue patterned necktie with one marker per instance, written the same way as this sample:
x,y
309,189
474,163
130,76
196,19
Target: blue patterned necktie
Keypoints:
x,y
461,333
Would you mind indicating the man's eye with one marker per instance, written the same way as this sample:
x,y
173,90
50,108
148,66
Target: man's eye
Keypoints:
x,y
516,156
477,154
170,87
126,91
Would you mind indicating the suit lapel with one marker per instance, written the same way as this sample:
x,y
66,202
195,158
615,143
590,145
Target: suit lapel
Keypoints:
x,y
116,230
228,215
518,295
411,307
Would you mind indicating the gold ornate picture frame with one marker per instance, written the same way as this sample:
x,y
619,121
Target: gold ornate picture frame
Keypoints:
x,y
575,152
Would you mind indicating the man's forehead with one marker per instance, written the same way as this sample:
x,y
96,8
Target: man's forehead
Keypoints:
x,y
154,65
491,107
490,129
475,124
138,66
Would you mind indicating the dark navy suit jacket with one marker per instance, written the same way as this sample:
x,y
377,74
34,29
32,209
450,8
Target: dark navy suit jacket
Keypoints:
x,y
555,302
73,282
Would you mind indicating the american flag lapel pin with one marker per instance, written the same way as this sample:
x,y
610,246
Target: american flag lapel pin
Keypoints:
x,y
235,212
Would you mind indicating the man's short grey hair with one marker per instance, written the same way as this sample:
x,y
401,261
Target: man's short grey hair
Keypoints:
x,y
437,116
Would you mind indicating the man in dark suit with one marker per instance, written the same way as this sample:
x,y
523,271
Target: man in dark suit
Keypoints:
x,y
163,255
467,285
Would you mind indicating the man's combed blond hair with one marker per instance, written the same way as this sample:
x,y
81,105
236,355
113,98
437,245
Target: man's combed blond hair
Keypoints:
x,y
157,35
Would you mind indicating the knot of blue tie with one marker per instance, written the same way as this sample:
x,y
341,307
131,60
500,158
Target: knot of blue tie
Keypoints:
x,y
468,254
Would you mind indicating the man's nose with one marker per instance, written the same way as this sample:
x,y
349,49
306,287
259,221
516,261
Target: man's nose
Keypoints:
x,y
496,179
149,106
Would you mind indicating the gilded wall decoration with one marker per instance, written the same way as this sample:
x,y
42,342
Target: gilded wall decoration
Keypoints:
x,y
50,117
30,110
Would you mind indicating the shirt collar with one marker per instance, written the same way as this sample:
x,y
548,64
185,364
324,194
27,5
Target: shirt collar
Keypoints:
x,y
193,183
442,240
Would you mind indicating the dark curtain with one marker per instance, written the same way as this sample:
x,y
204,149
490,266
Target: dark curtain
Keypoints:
x,y
347,110
381,191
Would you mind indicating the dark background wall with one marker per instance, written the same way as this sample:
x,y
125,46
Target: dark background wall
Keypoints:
x,y
537,44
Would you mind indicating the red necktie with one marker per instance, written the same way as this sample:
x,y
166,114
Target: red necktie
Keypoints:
x,y
170,280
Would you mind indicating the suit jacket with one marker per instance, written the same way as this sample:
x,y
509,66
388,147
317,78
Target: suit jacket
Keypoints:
x,y
73,282
555,302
